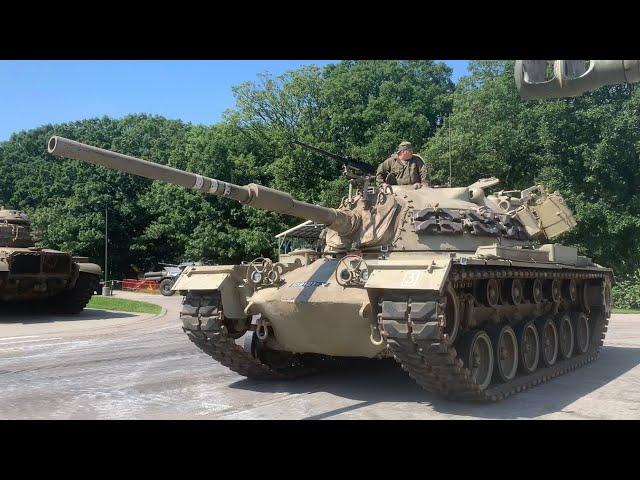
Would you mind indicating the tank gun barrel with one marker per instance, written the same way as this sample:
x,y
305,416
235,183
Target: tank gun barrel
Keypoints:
x,y
571,77
254,195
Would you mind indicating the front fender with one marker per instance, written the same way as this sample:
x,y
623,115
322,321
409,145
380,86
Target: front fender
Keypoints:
x,y
424,274
91,268
224,278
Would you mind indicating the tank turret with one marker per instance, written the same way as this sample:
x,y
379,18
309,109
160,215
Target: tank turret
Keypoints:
x,y
15,228
371,218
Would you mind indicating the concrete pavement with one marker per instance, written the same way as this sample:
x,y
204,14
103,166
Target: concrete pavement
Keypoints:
x,y
113,366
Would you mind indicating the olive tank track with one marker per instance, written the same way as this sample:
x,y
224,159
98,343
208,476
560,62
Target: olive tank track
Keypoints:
x,y
436,340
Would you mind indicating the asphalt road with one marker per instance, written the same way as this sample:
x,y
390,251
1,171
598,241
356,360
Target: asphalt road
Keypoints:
x,y
109,365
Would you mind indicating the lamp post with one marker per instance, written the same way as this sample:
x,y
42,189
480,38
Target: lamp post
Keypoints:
x,y
106,291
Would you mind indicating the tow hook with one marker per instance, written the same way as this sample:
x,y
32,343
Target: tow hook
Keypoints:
x,y
262,328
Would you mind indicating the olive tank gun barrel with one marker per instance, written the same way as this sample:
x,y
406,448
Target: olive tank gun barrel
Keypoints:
x,y
255,195
570,78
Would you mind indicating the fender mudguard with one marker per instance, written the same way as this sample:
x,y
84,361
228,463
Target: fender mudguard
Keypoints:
x,y
227,279
423,274
90,268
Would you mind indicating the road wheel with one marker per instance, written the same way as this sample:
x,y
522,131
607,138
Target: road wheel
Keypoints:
x,y
565,336
75,299
581,328
548,334
505,353
477,354
165,287
529,346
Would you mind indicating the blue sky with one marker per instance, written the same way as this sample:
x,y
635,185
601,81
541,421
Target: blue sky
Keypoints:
x,y
34,93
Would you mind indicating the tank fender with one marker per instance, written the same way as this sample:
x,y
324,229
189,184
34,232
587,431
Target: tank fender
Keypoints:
x,y
90,268
209,278
428,274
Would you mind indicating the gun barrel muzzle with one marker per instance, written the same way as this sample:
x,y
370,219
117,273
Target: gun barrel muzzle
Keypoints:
x,y
63,147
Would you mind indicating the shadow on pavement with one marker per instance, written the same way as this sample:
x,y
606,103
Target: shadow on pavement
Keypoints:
x,y
377,381
22,315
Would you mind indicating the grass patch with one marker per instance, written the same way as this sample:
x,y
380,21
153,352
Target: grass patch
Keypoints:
x,y
122,305
624,310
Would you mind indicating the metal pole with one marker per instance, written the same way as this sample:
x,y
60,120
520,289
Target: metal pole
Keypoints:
x,y
106,223
449,122
106,289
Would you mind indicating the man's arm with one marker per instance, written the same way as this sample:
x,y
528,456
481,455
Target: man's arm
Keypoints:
x,y
423,169
424,175
382,172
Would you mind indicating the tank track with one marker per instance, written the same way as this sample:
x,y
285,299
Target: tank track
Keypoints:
x,y
204,324
437,366
75,300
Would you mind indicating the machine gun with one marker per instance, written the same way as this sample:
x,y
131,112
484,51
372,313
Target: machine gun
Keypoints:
x,y
351,168
358,172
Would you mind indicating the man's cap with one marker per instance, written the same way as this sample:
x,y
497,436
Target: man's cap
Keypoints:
x,y
405,146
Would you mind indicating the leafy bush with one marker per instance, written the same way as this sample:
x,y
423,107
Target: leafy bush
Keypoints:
x,y
626,292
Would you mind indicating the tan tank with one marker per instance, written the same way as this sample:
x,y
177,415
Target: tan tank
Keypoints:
x,y
40,278
456,284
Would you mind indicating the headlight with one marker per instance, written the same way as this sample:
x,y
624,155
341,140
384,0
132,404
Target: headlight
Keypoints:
x,y
345,275
256,277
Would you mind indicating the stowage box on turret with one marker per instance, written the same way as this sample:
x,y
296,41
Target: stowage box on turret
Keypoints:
x,y
448,281
41,278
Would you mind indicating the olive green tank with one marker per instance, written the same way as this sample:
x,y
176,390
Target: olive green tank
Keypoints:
x,y
547,79
463,288
41,279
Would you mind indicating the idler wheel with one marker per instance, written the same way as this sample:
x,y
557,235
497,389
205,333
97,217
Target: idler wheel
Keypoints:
x,y
451,315
477,355
582,333
548,334
490,292
565,336
570,290
505,353
584,297
607,296
529,346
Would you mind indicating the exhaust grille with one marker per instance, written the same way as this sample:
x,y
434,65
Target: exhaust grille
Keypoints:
x,y
34,263
24,263
56,263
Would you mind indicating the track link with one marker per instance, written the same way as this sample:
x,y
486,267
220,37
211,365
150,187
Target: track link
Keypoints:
x,y
436,365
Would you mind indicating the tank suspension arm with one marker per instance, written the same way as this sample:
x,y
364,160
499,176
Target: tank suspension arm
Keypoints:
x,y
254,195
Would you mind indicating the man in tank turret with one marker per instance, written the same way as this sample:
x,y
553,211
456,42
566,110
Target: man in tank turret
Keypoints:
x,y
403,168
